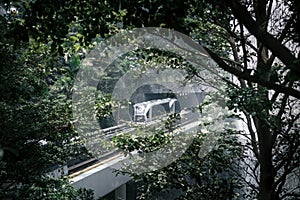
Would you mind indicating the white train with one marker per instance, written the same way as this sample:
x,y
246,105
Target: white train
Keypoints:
x,y
148,110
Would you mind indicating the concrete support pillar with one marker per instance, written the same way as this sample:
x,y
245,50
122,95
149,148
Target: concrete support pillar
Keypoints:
x,y
120,192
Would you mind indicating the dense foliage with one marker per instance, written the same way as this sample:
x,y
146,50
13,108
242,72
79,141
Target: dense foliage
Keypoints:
x,y
37,132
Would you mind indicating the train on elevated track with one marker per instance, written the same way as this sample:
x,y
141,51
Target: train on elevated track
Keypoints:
x,y
149,110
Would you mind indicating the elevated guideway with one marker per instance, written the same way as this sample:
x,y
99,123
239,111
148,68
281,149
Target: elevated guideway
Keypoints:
x,y
102,176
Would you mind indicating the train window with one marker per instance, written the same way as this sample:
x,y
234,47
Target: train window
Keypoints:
x,y
139,110
139,118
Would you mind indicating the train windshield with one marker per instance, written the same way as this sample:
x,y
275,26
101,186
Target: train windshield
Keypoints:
x,y
140,118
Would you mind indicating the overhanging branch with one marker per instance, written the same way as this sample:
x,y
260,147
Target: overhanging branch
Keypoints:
x,y
254,79
280,51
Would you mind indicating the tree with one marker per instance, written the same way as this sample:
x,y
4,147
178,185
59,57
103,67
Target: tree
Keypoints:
x,y
267,90
191,176
37,129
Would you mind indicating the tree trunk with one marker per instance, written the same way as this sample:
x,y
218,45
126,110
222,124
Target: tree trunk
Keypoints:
x,y
266,190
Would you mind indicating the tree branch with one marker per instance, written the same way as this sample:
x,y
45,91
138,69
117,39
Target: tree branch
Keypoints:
x,y
254,79
280,51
